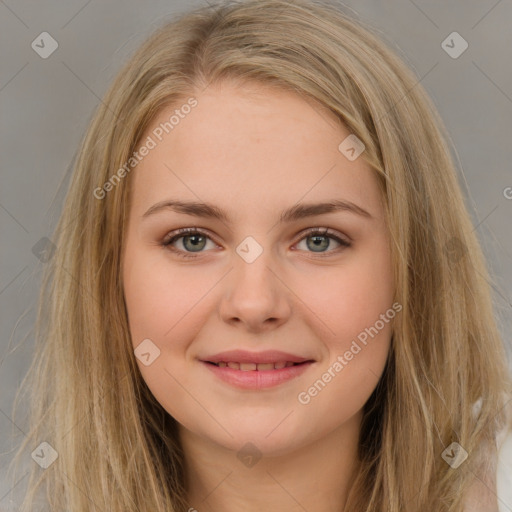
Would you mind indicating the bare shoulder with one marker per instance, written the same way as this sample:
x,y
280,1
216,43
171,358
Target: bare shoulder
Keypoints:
x,y
482,496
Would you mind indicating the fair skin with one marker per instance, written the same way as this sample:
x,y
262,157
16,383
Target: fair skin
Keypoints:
x,y
254,152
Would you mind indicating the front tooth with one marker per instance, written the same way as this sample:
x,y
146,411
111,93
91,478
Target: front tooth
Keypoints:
x,y
279,365
222,364
245,367
235,366
289,363
265,366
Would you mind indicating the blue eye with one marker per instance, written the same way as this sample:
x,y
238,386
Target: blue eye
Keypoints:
x,y
194,241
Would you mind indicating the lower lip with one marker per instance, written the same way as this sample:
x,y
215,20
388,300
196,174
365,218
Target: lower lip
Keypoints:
x,y
256,379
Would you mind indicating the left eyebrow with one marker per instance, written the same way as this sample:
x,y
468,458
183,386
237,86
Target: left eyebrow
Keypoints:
x,y
297,212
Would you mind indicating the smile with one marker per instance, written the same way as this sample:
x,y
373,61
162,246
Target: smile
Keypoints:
x,y
248,367
256,376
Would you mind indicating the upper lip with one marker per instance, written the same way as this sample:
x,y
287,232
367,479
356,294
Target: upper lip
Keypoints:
x,y
266,356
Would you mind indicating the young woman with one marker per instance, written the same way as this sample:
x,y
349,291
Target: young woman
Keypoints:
x,y
267,293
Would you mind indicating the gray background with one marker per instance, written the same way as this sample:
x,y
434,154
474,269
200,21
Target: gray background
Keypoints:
x,y
46,104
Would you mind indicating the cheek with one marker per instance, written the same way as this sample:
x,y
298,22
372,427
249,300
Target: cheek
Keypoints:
x,y
159,296
160,307
352,298
335,395
356,304
361,317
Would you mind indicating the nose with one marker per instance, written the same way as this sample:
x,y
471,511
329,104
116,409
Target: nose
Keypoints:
x,y
256,296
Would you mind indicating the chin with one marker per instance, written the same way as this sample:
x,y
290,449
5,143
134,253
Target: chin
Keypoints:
x,y
267,441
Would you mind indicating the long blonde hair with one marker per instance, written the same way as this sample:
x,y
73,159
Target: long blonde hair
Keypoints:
x,y
446,377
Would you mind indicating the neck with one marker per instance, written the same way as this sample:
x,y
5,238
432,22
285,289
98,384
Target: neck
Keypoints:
x,y
316,477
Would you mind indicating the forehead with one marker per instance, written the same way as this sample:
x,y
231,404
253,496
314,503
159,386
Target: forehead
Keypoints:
x,y
256,143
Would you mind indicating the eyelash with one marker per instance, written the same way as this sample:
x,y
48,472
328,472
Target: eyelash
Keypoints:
x,y
180,233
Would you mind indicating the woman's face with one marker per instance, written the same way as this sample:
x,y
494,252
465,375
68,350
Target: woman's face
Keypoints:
x,y
254,291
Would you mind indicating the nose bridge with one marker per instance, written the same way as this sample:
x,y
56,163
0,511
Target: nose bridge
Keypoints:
x,y
252,273
255,293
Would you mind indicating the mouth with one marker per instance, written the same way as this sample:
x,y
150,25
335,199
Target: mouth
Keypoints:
x,y
249,370
251,367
